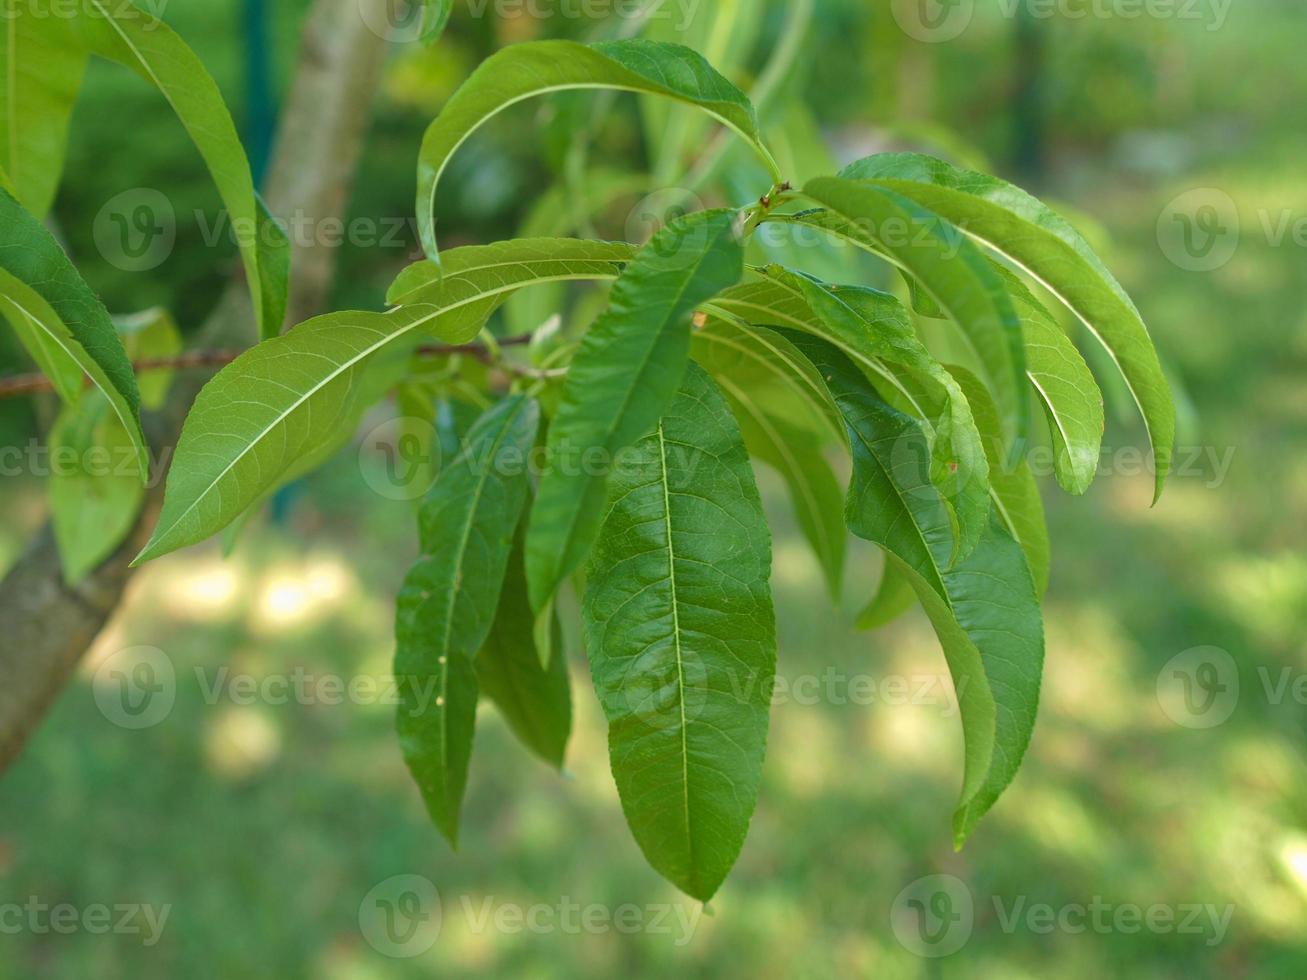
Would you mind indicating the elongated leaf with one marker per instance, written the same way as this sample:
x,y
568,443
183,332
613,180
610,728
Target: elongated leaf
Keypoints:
x,y
535,701
622,377
447,605
1015,492
983,608
41,73
873,329
151,334
784,412
894,596
40,284
955,273
47,341
435,17
682,641
95,489
1018,226
126,34
522,71
284,399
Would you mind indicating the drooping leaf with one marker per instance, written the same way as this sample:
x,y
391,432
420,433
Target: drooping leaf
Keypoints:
x,y
622,377
40,284
681,638
41,73
95,488
983,607
1018,226
447,605
894,596
124,33
522,71
953,270
284,399
785,414
536,701
874,330
1015,492
151,335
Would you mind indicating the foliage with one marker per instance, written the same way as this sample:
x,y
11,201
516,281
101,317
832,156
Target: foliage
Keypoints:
x,y
699,352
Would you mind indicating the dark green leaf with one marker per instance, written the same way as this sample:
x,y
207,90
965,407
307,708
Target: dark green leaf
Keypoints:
x,y
682,640
447,605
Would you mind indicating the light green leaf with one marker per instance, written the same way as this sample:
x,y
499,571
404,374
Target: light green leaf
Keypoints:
x,y
126,34
95,489
447,605
41,73
681,637
40,285
873,329
435,18
894,596
983,608
150,335
952,270
623,376
284,399
1016,225
785,413
535,701
1015,493
522,71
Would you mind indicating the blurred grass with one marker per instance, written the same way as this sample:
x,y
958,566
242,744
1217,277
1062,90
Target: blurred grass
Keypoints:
x,y
265,826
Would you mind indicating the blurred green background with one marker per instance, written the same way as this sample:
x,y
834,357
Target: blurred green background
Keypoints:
x,y
264,826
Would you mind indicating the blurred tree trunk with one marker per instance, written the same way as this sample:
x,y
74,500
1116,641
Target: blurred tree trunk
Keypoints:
x,y
48,626
1028,96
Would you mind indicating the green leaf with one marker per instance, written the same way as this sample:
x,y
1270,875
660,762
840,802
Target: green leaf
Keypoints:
x,y
283,400
952,270
95,489
447,605
1028,233
894,596
623,376
151,334
522,71
983,607
873,329
126,34
780,401
40,285
535,701
682,640
40,75
1015,492
435,18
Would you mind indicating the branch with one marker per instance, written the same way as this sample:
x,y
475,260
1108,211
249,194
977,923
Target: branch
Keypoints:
x,y
47,625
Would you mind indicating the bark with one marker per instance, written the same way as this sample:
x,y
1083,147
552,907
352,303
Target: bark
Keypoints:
x,y
46,626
